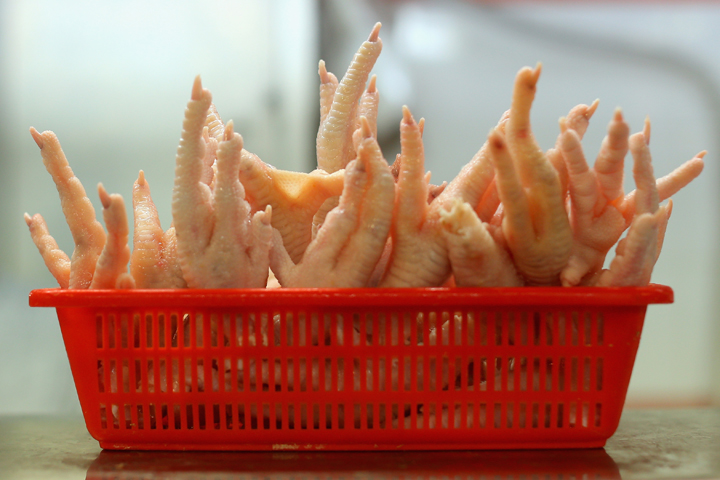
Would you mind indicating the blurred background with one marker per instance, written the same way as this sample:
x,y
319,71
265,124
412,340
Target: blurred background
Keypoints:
x,y
112,80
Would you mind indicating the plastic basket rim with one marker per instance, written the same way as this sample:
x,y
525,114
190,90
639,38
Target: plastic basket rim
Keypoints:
x,y
368,297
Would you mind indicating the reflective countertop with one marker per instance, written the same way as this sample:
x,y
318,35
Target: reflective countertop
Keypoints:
x,y
649,444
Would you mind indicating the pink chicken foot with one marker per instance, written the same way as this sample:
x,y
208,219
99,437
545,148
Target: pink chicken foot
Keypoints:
x,y
418,256
335,137
341,106
476,249
294,197
88,234
154,262
535,226
637,253
599,210
485,200
477,259
350,242
214,225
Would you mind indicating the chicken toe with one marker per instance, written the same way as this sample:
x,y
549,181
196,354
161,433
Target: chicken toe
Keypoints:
x,y
55,259
153,262
112,265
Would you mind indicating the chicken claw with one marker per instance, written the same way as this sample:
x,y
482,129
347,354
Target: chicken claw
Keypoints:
x,y
154,262
599,210
596,223
294,197
476,182
535,224
578,120
477,259
88,234
55,259
341,106
334,140
419,208
351,241
111,270
419,252
637,253
219,245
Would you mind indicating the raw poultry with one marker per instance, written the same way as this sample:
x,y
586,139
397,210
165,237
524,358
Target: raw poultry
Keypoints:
x,y
514,215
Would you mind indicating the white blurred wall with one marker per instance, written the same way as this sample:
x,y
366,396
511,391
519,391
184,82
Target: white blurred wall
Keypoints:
x,y
112,78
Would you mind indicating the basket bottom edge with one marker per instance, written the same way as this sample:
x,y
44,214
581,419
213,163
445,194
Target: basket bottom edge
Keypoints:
x,y
352,447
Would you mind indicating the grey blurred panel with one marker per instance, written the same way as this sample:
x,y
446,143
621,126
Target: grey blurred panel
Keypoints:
x,y
654,60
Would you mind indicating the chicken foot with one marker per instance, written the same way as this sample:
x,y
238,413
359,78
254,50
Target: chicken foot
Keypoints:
x,y
215,225
88,234
477,259
350,242
599,210
637,253
342,104
419,253
335,137
293,196
535,226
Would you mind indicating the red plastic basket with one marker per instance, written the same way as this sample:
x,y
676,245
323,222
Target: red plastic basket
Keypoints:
x,y
352,369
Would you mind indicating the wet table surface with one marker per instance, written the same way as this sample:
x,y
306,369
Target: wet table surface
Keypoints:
x,y
649,444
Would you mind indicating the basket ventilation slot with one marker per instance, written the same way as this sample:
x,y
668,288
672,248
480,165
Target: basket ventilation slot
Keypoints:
x,y
462,359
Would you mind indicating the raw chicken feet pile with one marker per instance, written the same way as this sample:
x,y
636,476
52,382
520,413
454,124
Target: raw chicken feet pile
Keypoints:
x,y
514,216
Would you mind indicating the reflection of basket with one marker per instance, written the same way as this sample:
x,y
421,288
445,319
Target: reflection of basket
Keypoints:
x,y
352,368
593,463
